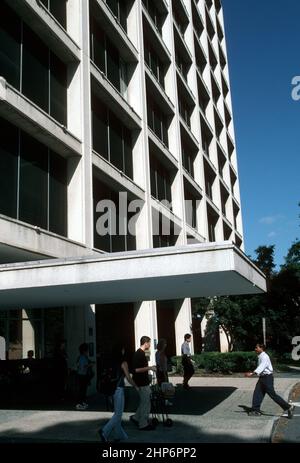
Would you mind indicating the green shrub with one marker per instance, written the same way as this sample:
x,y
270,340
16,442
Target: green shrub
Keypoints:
x,y
218,362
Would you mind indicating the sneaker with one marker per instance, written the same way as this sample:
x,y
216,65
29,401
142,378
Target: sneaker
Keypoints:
x,y
254,413
80,407
149,427
186,386
102,437
290,411
133,420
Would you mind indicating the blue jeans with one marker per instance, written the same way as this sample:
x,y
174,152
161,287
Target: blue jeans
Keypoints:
x,y
115,422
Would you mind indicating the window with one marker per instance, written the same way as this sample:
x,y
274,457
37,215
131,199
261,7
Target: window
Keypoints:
x,y
188,158
157,18
155,64
59,10
42,77
157,121
33,181
184,110
58,85
57,194
10,45
98,46
113,64
190,207
160,181
8,169
164,232
212,219
111,139
107,58
114,240
119,9
116,142
35,75
182,66
100,128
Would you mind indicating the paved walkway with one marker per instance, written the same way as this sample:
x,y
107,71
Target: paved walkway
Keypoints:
x,y
208,412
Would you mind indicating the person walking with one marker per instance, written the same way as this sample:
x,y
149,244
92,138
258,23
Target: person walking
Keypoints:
x,y
187,363
265,384
141,378
121,371
162,365
161,362
84,366
60,369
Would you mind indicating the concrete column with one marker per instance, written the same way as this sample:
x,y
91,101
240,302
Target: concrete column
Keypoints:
x,y
80,181
2,348
28,335
183,323
145,324
224,346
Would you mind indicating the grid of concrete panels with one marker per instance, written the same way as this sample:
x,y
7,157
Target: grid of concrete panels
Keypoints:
x,y
148,111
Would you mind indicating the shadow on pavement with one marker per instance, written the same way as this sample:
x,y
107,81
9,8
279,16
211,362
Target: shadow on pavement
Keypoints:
x,y
194,401
85,431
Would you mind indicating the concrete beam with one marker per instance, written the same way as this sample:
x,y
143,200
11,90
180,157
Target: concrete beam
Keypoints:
x,y
113,29
154,274
39,19
22,241
19,110
112,98
115,178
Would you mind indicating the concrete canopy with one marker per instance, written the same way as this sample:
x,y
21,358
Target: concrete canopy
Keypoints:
x,y
155,274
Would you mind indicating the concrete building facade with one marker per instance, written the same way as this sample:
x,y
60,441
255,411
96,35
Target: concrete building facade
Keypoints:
x,y
126,101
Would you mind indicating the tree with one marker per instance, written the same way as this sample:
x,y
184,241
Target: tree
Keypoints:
x,y
293,256
265,260
241,316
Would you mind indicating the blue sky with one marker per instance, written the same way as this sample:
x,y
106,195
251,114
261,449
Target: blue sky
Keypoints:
x,y
263,46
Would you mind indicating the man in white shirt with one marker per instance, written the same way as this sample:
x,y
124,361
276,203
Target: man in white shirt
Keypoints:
x,y
187,363
265,384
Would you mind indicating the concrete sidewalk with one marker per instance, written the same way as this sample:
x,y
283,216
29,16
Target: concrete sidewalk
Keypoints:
x,y
207,412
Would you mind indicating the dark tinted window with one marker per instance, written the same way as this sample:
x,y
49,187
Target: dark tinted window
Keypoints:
x,y
100,128
57,194
128,152
35,75
10,27
59,10
116,143
98,46
8,168
58,89
41,193
119,9
33,182
113,64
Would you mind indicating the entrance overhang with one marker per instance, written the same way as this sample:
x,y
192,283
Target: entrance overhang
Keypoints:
x,y
207,269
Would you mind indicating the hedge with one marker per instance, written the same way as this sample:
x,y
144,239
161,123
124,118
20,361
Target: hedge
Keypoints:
x,y
218,362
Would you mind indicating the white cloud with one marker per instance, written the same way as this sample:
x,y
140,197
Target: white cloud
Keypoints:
x,y
270,219
272,234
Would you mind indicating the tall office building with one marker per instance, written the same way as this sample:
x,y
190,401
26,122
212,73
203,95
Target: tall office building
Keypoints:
x,y
115,116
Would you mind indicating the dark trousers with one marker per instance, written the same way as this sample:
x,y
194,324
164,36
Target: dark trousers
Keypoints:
x,y
83,384
265,385
188,370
